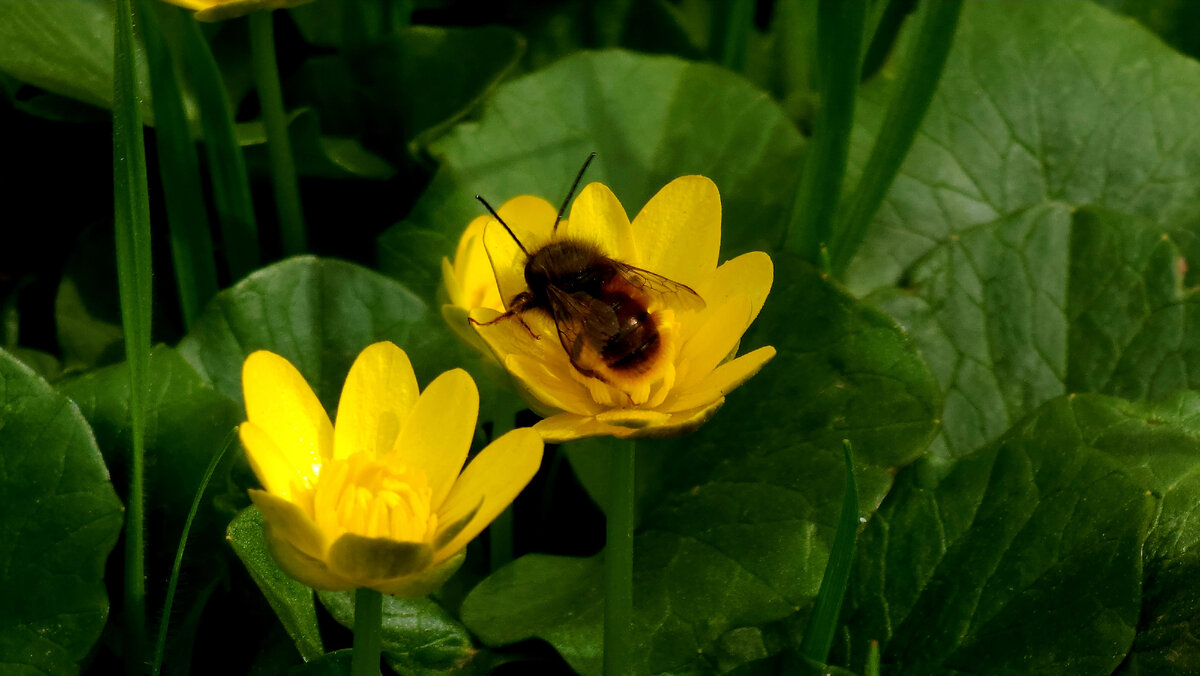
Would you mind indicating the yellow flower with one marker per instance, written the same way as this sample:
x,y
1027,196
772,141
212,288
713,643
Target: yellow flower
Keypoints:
x,y
677,235
376,500
219,10
468,281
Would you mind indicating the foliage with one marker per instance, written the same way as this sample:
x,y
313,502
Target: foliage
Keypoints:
x,y
1013,351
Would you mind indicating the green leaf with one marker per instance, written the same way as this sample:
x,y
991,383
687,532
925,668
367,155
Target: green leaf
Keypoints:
x,y
315,154
408,87
319,314
989,225
1039,104
818,637
419,635
651,119
336,663
187,423
65,48
737,518
1029,555
59,519
179,172
87,312
346,25
291,600
1159,444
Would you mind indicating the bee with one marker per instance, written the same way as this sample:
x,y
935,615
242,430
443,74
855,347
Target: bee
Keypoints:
x,y
601,307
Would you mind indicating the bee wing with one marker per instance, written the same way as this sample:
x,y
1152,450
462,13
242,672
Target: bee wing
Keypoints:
x,y
670,292
583,322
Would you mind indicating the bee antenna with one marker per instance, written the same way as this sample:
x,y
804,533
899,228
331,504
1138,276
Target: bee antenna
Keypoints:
x,y
563,209
497,217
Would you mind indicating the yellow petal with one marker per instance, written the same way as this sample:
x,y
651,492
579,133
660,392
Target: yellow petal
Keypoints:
x,y
569,427
380,391
281,404
678,233
554,387
683,422
456,318
270,465
748,275
424,582
633,418
564,427
367,560
489,484
508,337
291,523
531,219
454,290
598,217
720,382
713,342
438,431
309,570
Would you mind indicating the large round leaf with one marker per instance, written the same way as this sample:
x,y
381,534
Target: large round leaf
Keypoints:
x,y
1059,132
59,518
650,119
737,518
319,314
1033,554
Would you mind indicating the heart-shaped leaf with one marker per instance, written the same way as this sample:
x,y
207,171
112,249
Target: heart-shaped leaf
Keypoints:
x,y
61,518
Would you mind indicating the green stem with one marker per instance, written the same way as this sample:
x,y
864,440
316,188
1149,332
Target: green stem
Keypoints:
x,y
279,145
839,64
922,70
226,164
131,216
179,170
368,623
618,562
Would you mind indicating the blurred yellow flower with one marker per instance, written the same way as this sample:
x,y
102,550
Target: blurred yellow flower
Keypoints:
x,y
676,236
219,10
376,500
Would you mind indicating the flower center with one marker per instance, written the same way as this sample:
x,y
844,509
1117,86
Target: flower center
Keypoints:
x,y
374,498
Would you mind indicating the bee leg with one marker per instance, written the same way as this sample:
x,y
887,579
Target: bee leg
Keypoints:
x,y
507,315
531,333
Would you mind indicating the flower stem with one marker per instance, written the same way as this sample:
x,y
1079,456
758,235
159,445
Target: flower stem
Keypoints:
x,y
368,622
279,145
618,562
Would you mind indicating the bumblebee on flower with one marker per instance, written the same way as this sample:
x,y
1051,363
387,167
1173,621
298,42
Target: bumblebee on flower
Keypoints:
x,y
611,327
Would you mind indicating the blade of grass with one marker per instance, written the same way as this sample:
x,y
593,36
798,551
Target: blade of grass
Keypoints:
x,y
839,65
227,166
732,21
872,660
179,170
161,644
131,215
279,144
922,69
823,622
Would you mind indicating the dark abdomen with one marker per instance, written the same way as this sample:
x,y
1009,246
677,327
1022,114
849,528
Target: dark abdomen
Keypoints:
x,y
636,341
